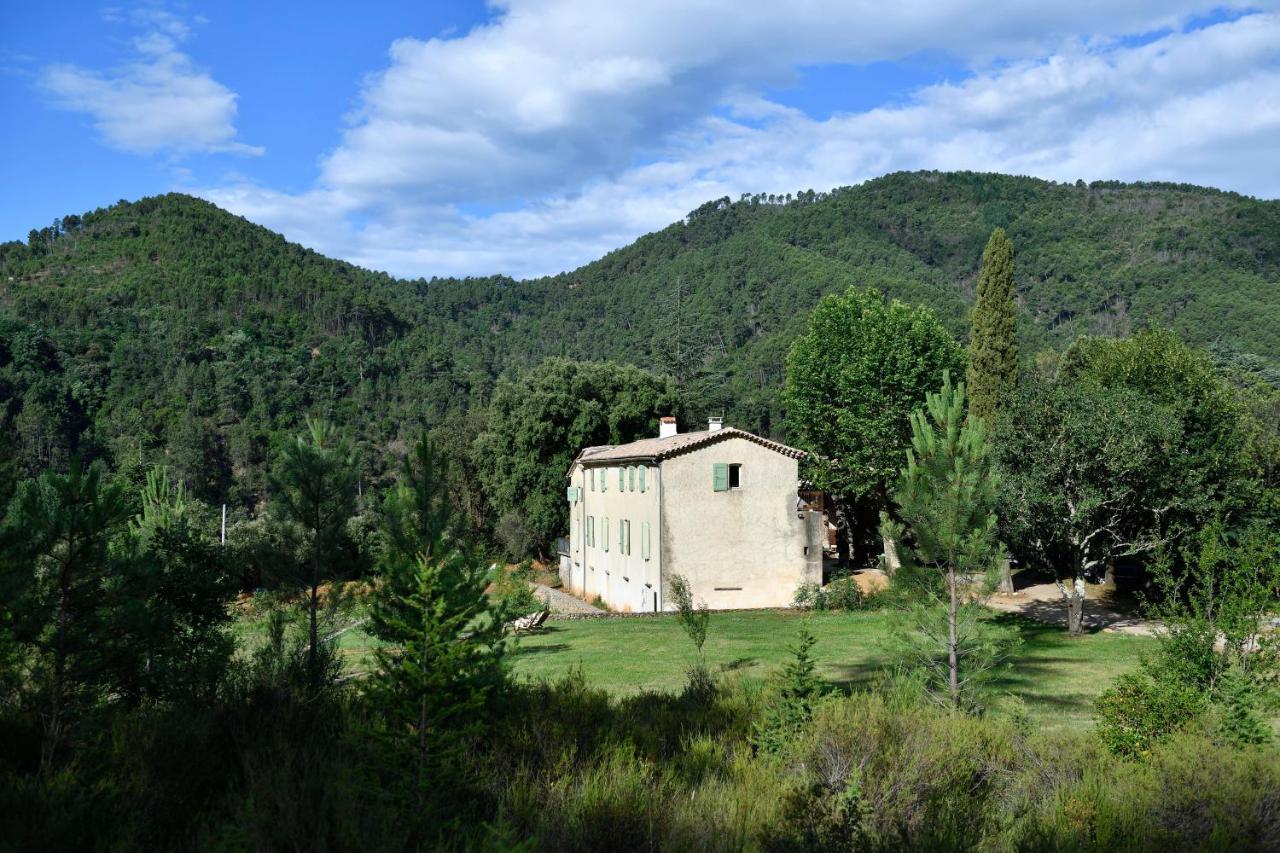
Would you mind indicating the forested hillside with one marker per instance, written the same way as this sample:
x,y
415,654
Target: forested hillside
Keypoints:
x,y
169,330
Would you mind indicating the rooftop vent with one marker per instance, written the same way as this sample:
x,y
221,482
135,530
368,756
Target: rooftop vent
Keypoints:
x,y
714,424
666,427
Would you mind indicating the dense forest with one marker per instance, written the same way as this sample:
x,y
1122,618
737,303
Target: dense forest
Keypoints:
x,y
169,331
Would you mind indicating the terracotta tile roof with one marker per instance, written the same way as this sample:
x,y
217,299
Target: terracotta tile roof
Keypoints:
x,y
657,449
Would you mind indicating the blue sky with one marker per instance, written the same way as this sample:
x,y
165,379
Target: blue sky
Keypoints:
x,y
529,136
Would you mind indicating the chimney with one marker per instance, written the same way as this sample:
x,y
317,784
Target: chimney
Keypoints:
x,y
666,426
714,424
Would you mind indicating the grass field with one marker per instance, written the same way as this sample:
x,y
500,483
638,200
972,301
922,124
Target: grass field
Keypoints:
x,y
1056,676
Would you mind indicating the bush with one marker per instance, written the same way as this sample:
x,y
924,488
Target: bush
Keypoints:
x,y
841,594
516,593
1139,710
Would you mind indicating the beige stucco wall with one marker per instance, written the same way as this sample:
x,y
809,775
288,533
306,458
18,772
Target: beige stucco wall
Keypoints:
x,y
741,548
626,582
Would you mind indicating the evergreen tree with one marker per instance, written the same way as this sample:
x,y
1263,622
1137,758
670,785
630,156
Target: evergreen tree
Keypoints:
x,y
993,336
442,658
166,607
945,497
58,532
315,489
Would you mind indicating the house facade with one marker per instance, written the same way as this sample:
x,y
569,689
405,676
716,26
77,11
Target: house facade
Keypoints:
x,y
719,507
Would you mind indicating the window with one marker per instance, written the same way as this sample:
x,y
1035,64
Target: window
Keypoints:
x,y
644,538
591,530
604,528
735,476
624,536
643,468
622,479
631,478
593,480
604,483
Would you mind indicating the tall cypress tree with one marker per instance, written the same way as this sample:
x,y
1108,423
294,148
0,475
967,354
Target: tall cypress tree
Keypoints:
x,y
993,339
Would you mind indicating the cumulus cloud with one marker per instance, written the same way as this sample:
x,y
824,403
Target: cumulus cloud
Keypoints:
x,y
580,128
159,101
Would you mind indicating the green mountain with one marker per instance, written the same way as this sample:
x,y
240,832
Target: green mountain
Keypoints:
x,y
170,329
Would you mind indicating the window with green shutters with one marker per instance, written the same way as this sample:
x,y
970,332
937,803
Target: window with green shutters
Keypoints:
x,y
720,476
604,530
644,538
643,468
604,482
591,530
622,479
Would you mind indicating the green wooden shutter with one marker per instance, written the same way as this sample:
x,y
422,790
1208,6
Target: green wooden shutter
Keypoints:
x,y
644,538
622,479
604,480
631,478
643,468
720,476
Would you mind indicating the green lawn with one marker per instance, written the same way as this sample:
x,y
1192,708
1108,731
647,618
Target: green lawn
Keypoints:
x,y
1056,676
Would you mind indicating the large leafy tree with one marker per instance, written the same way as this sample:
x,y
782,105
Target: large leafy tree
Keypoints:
x,y
539,420
441,661
853,379
946,499
1132,446
314,489
993,336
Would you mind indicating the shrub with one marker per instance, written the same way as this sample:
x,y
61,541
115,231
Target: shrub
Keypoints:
x,y
841,594
1138,710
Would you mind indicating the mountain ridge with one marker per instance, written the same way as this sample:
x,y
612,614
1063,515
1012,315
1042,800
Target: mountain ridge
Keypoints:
x,y
147,320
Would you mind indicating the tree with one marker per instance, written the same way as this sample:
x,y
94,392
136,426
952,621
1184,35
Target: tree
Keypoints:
x,y
58,532
539,420
314,488
1078,466
166,606
993,336
946,497
1133,445
853,379
692,617
442,659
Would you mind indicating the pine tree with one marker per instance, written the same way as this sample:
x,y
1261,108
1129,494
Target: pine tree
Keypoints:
x,y
442,658
59,529
993,339
945,497
315,489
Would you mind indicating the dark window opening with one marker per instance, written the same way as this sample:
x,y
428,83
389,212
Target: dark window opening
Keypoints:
x,y
735,476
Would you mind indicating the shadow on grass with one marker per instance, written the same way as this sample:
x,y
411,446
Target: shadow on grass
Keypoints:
x,y
535,650
737,664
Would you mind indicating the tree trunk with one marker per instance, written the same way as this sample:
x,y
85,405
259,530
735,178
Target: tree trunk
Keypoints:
x,y
843,524
1006,576
53,726
1109,575
1074,599
313,651
952,660
891,561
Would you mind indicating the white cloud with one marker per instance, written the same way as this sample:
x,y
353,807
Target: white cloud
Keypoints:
x,y
550,108
157,102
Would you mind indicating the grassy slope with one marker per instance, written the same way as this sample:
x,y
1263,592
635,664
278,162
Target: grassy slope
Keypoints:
x,y
1057,677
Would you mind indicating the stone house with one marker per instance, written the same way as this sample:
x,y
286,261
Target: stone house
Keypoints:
x,y
720,507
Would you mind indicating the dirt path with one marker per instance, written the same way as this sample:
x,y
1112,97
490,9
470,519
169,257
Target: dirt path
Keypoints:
x,y
1043,602
561,602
